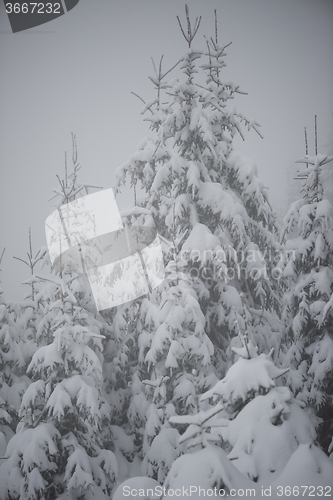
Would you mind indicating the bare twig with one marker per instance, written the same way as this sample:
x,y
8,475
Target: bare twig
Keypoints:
x,y
66,183
3,251
74,149
215,15
144,102
18,258
281,374
169,70
306,144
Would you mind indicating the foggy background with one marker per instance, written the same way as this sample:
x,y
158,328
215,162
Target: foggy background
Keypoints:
x,y
76,74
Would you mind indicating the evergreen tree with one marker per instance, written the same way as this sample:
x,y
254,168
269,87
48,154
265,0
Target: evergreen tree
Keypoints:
x,y
62,447
254,433
13,381
307,312
32,308
213,216
266,424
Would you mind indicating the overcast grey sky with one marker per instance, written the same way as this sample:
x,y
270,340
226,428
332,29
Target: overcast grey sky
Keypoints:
x,y
77,72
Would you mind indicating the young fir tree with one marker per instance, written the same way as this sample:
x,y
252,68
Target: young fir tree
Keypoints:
x,y
307,311
206,201
15,351
32,308
19,339
62,447
261,427
204,469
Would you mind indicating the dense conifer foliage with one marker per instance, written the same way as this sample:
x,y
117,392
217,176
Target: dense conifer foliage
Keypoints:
x,y
220,378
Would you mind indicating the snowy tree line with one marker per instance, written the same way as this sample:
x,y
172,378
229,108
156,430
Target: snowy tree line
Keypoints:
x,y
222,376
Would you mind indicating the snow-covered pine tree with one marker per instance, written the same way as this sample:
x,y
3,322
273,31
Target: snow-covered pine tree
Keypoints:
x,y
205,464
32,307
13,380
20,336
260,426
307,310
195,182
209,207
62,448
266,425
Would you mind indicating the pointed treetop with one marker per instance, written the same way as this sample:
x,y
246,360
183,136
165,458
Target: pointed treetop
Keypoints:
x,y
191,32
69,186
31,262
